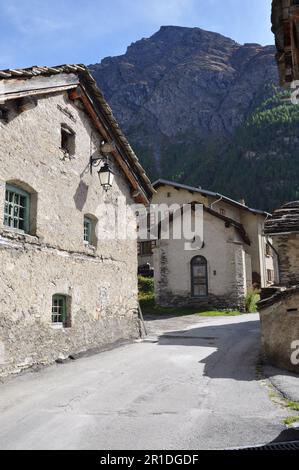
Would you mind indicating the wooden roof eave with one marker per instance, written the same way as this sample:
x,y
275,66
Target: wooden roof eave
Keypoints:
x,y
137,192
39,80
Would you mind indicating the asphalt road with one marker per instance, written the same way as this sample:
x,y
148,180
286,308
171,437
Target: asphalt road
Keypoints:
x,y
195,388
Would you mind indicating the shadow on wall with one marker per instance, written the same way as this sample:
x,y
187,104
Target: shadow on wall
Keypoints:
x,y
237,348
80,196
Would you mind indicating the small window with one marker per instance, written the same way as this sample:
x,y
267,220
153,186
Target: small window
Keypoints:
x,y
16,209
268,250
292,310
146,248
168,194
60,311
67,140
88,230
270,275
3,114
222,211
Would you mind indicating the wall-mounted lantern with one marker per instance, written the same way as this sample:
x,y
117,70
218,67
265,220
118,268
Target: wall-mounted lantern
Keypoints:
x,y
106,176
105,173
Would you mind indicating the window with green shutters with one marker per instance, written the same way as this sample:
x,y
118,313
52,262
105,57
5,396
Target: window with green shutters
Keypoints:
x,y
16,208
87,230
59,309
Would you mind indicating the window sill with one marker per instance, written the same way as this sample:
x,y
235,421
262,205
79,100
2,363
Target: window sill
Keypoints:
x,y
15,234
201,297
90,247
57,326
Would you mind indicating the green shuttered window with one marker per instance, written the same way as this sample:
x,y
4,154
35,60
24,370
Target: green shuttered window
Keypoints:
x,y
59,309
87,230
16,208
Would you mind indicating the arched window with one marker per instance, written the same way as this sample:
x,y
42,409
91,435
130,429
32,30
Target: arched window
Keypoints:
x,y
199,276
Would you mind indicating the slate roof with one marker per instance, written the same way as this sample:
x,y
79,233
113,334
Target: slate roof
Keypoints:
x,y
204,192
279,296
86,77
284,220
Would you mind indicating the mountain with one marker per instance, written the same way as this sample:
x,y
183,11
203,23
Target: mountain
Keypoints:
x,y
201,109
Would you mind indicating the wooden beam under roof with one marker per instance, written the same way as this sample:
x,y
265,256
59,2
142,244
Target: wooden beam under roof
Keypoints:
x,y
137,192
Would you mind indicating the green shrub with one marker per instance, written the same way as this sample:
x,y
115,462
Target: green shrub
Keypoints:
x,y
146,289
251,299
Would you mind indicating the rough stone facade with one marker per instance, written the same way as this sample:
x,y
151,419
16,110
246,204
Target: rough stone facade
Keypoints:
x,y
99,281
288,248
280,330
279,311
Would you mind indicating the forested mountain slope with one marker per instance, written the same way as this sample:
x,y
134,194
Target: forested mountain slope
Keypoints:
x,y
201,109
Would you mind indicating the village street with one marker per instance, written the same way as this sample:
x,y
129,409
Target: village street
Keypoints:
x,y
192,384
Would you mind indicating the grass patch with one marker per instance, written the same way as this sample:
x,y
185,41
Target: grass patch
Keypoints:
x,y
277,398
146,292
291,420
151,307
292,405
251,300
147,303
220,313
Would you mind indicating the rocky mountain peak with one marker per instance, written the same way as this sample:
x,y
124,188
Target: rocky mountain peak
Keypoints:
x,y
181,96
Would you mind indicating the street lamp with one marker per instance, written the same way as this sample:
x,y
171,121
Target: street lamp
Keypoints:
x,y
105,173
106,176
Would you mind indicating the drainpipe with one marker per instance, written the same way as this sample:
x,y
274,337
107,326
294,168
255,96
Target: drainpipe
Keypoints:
x,y
216,202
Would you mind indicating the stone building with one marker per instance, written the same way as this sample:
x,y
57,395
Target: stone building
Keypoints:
x,y
285,26
279,309
234,257
64,288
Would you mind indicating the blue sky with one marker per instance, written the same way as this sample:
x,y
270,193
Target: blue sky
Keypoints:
x,y
43,32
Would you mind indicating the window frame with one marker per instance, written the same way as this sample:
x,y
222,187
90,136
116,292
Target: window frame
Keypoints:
x,y
270,276
268,251
68,140
63,298
16,190
89,221
146,248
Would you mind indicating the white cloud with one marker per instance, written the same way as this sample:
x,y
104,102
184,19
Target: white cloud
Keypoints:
x,y
32,17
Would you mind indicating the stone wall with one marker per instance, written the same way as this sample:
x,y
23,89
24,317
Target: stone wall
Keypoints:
x,y
280,330
100,281
288,248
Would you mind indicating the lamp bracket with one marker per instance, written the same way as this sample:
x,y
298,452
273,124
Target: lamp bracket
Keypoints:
x,y
97,161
